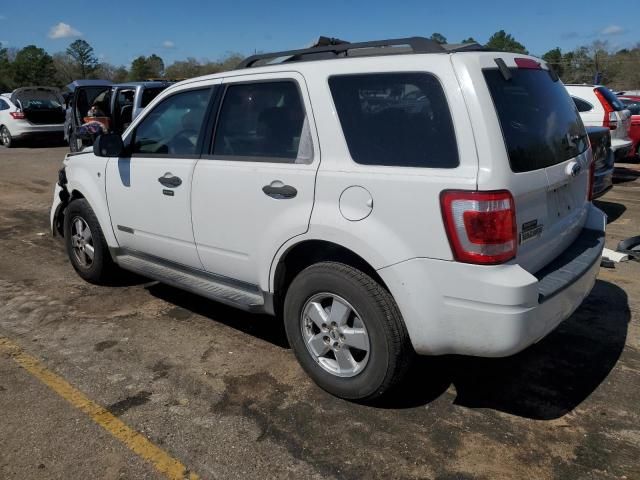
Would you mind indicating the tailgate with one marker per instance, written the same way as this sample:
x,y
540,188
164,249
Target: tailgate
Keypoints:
x,y
546,156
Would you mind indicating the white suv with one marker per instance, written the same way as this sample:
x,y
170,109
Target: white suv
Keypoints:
x,y
599,107
383,200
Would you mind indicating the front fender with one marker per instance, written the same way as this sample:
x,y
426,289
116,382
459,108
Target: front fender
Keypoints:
x,y
86,177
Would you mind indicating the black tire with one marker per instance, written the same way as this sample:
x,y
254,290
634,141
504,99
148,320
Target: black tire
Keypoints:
x,y
5,138
76,144
101,269
390,351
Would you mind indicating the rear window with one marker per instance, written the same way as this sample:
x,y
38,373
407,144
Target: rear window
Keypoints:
x,y
395,119
540,123
614,101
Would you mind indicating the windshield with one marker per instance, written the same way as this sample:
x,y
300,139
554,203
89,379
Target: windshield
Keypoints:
x,y
539,121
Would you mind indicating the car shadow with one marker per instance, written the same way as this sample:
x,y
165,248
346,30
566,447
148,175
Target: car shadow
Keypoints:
x,y
624,175
264,327
613,210
42,143
545,381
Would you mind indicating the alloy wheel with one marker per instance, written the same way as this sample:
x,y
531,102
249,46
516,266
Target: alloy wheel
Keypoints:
x,y
335,335
82,242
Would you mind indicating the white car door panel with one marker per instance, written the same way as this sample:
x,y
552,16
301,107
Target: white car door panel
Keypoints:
x,y
256,190
149,193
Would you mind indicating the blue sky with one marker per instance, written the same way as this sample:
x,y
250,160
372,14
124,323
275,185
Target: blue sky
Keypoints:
x,y
122,30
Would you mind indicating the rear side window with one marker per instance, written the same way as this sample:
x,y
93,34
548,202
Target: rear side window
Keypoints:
x,y
581,105
614,101
395,119
3,105
540,123
263,122
149,94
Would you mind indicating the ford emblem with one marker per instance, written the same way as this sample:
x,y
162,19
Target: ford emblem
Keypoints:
x,y
574,169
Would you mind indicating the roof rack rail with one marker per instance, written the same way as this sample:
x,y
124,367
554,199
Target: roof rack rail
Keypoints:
x,y
328,47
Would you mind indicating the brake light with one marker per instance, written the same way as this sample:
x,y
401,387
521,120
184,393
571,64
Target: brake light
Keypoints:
x,y
17,115
527,63
610,120
481,226
592,174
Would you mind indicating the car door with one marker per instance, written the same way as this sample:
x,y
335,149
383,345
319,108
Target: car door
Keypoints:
x,y
149,191
255,189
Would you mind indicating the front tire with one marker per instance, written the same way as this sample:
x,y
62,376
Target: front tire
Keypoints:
x,y
85,244
346,331
5,137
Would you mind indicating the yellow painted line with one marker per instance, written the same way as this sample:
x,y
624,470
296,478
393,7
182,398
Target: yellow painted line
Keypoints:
x,y
138,443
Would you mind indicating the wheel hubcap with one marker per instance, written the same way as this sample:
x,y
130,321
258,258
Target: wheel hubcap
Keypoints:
x,y
335,335
82,242
5,136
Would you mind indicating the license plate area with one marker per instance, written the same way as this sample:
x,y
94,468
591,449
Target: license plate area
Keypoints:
x,y
561,201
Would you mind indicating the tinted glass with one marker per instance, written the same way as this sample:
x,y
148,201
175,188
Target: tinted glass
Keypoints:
x,y
539,120
581,105
395,119
3,105
263,122
173,127
614,101
149,94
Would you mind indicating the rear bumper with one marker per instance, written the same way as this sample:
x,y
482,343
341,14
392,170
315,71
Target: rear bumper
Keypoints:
x,y
620,147
24,130
493,311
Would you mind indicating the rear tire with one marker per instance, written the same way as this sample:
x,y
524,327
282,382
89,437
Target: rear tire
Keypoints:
x,y
346,331
85,244
5,137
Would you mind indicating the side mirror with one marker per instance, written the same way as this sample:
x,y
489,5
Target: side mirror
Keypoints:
x,y
108,145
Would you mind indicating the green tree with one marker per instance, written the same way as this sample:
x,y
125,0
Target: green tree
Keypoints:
x,y
156,66
33,66
504,42
438,37
554,58
144,68
82,54
469,40
6,73
188,68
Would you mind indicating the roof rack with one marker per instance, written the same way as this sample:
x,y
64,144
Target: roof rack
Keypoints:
x,y
328,48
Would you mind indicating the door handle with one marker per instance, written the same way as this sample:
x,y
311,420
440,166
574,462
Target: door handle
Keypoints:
x,y
169,180
279,190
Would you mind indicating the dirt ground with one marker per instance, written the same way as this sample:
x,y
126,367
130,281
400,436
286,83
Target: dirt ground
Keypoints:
x,y
220,390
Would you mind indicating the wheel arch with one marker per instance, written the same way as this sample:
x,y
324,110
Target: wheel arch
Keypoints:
x,y
307,252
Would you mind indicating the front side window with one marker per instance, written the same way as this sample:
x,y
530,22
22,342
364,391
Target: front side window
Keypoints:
x,y
173,127
395,119
263,122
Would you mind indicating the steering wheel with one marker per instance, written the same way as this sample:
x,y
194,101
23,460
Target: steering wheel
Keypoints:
x,y
181,143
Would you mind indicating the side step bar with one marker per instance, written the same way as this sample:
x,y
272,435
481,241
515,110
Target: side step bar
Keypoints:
x,y
220,289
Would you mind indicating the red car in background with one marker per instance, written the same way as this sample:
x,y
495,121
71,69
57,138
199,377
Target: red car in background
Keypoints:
x,y
632,102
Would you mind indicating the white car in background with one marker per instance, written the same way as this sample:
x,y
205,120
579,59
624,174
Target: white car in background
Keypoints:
x,y
30,112
599,107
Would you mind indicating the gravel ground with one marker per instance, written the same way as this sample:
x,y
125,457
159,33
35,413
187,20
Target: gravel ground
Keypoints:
x,y
220,390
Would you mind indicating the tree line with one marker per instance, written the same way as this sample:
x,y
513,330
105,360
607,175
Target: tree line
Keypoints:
x,y
31,65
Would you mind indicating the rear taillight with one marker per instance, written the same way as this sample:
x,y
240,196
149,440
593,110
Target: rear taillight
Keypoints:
x,y
481,226
592,174
17,115
610,120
